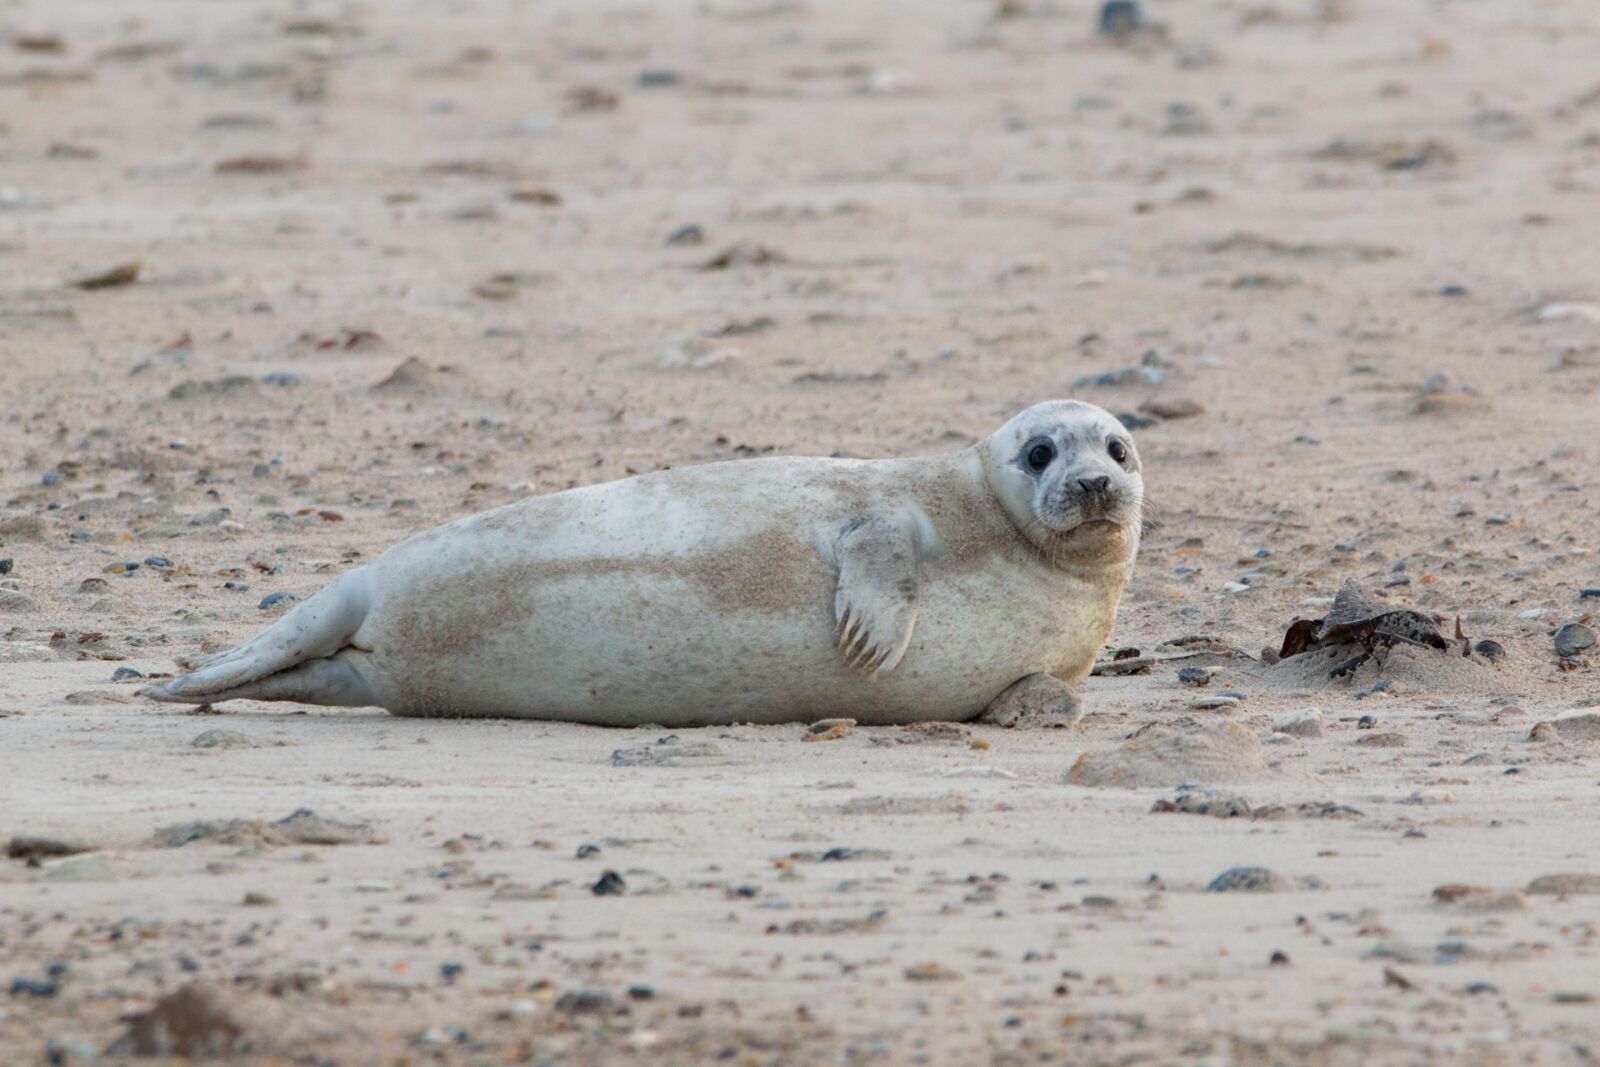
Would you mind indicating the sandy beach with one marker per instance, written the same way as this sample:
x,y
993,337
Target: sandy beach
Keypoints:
x,y
283,283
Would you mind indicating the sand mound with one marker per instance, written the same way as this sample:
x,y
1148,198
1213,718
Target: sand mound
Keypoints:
x,y
1224,754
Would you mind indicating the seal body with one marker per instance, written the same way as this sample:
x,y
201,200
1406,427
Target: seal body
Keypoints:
x,y
766,590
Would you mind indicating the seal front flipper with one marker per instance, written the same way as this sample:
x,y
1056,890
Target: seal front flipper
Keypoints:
x,y
875,606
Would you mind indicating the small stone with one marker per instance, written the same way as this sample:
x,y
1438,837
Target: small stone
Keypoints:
x,y
1118,18
1173,408
1219,702
1565,884
1247,880
271,600
1196,676
27,847
1543,731
609,885
1307,722
1574,639
157,561
1279,958
1585,594
1490,650
829,729
30,987
585,1002
931,972
585,851
374,886
656,77
222,739
125,674
1386,739
689,234
451,971
259,900
5,566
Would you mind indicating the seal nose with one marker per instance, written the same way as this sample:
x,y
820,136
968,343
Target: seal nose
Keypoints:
x,y
1095,486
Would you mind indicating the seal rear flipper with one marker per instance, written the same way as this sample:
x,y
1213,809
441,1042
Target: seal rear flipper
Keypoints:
x,y
314,630
875,605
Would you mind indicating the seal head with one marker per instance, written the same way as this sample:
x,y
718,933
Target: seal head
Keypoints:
x,y
1068,476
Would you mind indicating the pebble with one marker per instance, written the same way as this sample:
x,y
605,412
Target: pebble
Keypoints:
x,y
125,674
1307,722
656,77
1120,17
585,851
609,885
30,987
5,566
1574,639
237,587
282,378
374,886
24,847
1196,676
222,739
282,596
1215,703
1246,880
1135,422
1490,650
1543,731
1565,884
585,1002
157,561
1585,594
689,234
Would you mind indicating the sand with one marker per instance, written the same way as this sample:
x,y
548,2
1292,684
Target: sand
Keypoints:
x,y
355,270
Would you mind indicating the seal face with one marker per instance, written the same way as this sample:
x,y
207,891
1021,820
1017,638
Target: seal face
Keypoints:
x,y
762,590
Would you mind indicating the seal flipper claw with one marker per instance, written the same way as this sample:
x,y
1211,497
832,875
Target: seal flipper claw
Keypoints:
x,y
875,605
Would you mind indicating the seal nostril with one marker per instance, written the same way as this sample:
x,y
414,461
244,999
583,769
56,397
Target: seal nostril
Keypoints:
x,y
1095,485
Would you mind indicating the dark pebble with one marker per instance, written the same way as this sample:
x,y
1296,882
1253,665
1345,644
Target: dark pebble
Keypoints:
x,y
1366,722
656,77
5,566
237,587
1586,594
1244,880
276,598
451,971
1118,17
1279,959
641,992
1194,676
1482,987
282,378
585,851
1135,422
585,1002
1573,639
80,536
30,987
125,674
1453,290
690,234
157,561
1489,650
609,885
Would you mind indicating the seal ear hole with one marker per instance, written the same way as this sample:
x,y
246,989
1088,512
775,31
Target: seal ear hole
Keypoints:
x,y
1117,450
1039,455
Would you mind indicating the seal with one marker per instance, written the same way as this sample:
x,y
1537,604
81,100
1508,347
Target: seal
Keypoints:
x,y
762,590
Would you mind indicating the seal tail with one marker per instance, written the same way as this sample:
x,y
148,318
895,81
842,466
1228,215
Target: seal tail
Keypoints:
x,y
305,642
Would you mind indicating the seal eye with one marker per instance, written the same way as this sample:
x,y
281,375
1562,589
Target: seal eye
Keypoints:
x,y
1118,451
1040,455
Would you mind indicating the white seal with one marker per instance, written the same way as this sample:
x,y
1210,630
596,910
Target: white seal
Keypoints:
x,y
763,590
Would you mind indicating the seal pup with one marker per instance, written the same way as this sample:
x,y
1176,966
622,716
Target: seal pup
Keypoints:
x,y
759,590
